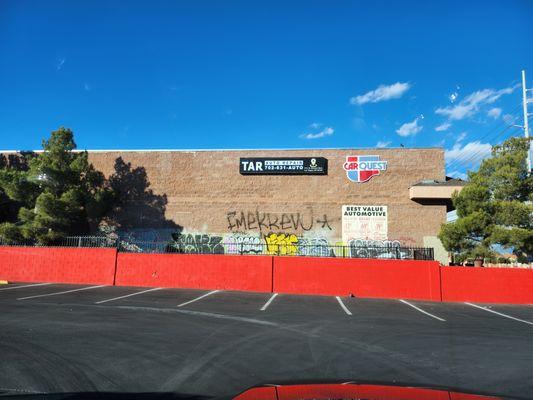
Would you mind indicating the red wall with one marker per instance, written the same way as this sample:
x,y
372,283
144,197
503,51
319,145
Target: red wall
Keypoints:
x,y
487,285
361,277
57,264
253,273
422,280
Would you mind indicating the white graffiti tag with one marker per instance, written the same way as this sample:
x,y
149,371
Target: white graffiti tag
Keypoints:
x,y
243,244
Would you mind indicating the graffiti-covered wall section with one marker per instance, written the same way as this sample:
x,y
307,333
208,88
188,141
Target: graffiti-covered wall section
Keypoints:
x,y
293,201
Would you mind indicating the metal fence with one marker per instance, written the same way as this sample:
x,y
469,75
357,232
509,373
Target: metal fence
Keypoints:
x,y
70,241
283,249
303,250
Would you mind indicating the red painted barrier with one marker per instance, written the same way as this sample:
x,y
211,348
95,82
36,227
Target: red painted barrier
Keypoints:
x,y
422,280
248,273
57,264
363,277
487,285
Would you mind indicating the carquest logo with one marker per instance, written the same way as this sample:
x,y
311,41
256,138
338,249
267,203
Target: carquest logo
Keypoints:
x,y
363,168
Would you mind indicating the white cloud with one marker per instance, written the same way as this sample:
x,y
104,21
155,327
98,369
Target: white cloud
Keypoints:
x,y
60,63
472,103
327,131
410,128
469,154
443,127
382,93
381,144
494,112
315,125
453,97
461,137
509,119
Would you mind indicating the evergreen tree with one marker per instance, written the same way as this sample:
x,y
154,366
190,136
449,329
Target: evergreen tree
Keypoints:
x,y
495,207
61,193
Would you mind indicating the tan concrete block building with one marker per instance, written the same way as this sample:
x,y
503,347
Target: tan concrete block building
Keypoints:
x,y
206,192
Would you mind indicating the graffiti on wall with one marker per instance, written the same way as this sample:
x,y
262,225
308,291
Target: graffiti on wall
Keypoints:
x,y
200,243
240,243
281,244
147,235
285,244
367,248
315,247
290,244
239,221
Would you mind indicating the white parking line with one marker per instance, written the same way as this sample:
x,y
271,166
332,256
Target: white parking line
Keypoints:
x,y
198,298
499,313
128,295
343,306
422,311
268,302
23,286
56,293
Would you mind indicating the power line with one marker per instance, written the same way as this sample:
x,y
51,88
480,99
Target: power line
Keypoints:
x,y
496,128
466,156
474,157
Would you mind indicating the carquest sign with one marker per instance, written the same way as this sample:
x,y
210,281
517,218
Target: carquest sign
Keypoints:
x,y
363,168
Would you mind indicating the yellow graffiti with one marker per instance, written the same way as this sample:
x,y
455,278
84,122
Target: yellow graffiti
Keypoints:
x,y
281,244
340,249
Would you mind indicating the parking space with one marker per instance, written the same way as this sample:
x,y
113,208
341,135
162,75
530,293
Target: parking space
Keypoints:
x,y
19,285
286,308
189,340
481,315
14,291
301,309
232,303
392,311
524,312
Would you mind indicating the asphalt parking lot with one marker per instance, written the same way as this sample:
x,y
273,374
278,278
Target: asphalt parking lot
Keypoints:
x,y
85,338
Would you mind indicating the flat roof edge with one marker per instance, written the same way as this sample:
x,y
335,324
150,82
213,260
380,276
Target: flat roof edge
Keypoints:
x,y
221,150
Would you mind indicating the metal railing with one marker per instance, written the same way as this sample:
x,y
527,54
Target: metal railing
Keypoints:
x,y
303,250
278,249
69,241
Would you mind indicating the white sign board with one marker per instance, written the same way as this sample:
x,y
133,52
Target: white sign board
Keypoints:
x,y
364,222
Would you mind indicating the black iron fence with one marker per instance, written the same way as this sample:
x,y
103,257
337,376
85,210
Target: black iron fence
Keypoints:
x,y
304,250
253,248
70,241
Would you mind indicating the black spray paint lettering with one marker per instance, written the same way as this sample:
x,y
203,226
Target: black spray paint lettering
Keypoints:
x,y
199,244
260,221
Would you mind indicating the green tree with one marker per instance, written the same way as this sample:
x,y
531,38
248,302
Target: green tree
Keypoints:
x,y
495,207
61,193
11,162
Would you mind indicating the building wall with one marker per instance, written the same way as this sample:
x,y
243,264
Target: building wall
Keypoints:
x,y
205,192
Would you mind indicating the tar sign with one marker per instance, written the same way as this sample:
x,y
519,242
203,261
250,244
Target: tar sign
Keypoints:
x,y
284,166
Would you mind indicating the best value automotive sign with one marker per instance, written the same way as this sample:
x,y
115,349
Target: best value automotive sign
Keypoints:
x,y
362,168
364,222
284,166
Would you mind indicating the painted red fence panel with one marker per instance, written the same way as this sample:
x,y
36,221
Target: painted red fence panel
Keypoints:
x,y
58,264
360,277
253,273
487,285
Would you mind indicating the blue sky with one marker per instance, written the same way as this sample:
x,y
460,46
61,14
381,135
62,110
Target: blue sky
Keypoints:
x,y
247,74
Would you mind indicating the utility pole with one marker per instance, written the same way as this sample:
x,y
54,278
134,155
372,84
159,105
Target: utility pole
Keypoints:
x,y
526,115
